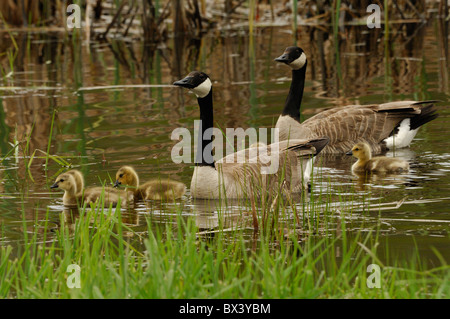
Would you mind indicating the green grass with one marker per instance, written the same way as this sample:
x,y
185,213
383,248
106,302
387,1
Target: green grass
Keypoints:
x,y
176,263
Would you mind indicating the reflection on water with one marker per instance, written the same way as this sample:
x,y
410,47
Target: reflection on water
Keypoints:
x,y
113,105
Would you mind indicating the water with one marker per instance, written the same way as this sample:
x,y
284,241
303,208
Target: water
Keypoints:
x,y
105,118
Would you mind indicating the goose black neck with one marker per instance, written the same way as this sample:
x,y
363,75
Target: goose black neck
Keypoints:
x,y
294,98
204,150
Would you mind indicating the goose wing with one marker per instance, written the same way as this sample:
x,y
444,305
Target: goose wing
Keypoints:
x,y
280,163
348,125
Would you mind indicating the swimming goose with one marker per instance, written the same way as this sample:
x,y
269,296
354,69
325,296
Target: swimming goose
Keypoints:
x,y
382,126
240,174
379,164
70,181
154,189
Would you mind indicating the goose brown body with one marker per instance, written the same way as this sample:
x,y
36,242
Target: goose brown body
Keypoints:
x,y
155,189
347,125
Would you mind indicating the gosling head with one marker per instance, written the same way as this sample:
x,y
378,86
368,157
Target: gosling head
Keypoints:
x,y
197,82
127,176
66,182
360,151
293,57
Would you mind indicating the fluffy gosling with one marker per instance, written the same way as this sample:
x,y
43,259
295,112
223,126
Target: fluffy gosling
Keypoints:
x,y
154,189
379,164
72,182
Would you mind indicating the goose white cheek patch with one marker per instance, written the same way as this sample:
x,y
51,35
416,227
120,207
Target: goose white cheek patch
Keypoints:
x,y
203,88
299,62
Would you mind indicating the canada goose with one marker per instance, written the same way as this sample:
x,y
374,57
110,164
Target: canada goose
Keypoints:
x,y
382,126
69,182
379,164
229,177
154,189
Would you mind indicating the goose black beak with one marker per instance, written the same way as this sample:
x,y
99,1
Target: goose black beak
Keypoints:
x,y
187,82
349,153
284,58
116,184
54,185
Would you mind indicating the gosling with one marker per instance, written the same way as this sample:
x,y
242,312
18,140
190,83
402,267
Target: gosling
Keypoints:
x,y
379,164
72,182
154,189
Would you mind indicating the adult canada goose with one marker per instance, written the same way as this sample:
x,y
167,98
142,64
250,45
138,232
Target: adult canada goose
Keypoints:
x,y
70,181
381,126
379,164
154,189
233,178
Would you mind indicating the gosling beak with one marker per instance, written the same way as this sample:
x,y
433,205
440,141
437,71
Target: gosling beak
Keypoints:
x,y
116,184
284,58
349,153
187,82
54,185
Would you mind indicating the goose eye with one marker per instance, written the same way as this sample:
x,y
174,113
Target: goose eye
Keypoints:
x,y
61,180
356,149
121,175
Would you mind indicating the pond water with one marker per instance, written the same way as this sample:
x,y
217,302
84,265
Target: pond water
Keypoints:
x,y
113,105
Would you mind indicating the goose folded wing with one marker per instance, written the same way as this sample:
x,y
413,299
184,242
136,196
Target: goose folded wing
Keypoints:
x,y
252,167
348,125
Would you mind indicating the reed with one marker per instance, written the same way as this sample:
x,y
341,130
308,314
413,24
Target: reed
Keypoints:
x,y
387,53
254,108
4,131
12,52
294,21
50,140
335,22
251,16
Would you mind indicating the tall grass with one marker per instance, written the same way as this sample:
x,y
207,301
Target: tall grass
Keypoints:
x,y
177,263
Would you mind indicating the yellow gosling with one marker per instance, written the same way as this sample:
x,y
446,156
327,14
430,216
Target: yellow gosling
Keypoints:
x,y
153,189
379,164
72,180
